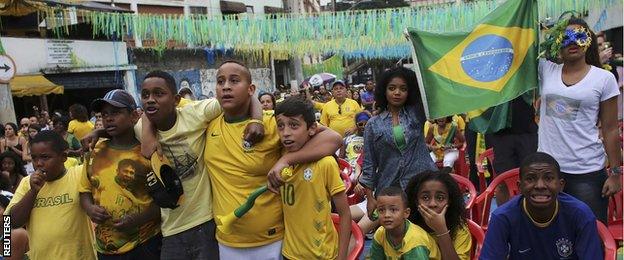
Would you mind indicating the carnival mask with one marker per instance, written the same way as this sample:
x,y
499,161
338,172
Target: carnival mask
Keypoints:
x,y
579,36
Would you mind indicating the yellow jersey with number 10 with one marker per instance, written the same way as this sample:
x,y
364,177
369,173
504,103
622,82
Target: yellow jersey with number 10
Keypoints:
x,y
306,202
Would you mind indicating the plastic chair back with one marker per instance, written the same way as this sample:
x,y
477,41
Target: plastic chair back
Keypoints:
x,y
610,248
467,188
478,236
615,216
489,155
482,204
357,235
345,174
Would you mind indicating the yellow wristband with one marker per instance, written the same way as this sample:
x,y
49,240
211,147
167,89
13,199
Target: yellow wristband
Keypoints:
x,y
256,121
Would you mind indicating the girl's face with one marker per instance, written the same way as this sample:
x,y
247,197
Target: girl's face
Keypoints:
x,y
8,164
441,121
573,51
396,92
434,195
32,132
267,103
356,95
9,131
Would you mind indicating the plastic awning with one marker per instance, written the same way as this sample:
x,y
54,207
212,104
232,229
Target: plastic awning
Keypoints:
x,y
35,85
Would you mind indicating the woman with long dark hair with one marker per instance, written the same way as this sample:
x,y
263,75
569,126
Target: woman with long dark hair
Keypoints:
x,y
12,169
437,205
577,96
394,145
79,125
12,142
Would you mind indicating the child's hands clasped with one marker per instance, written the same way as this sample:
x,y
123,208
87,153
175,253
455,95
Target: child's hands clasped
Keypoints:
x,y
435,221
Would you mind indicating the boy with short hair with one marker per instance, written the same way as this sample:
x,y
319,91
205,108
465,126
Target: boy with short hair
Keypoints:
x,y
398,238
112,187
47,202
238,168
542,222
308,190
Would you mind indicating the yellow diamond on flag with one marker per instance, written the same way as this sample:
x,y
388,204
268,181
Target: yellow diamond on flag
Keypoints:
x,y
487,58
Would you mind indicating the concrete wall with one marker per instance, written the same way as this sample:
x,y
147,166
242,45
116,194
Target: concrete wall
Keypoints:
x,y
32,56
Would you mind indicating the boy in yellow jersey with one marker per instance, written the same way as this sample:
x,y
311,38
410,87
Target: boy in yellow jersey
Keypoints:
x,y
338,113
236,168
308,191
398,238
188,230
48,204
112,186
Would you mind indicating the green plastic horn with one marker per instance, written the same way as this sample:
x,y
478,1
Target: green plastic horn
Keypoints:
x,y
225,222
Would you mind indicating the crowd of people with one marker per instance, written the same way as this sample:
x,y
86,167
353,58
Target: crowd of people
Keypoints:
x,y
157,179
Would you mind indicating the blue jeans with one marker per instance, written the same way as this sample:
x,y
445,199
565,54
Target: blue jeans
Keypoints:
x,y
196,243
149,249
588,188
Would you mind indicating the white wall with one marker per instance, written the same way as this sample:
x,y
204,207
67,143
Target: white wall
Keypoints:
x,y
32,55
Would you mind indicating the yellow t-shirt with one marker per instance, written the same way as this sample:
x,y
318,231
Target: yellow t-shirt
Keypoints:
x,y
71,162
417,244
318,105
342,121
461,124
308,193
58,228
462,242
183,145
235,172
116,179
184,102
79,129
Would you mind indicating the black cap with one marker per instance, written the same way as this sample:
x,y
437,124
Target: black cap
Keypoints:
x,y
163,183
117,98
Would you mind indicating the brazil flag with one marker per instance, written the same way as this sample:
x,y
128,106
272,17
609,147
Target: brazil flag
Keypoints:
x,y
492,64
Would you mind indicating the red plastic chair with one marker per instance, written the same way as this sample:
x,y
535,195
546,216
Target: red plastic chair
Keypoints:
x,y
478,236
345,174
610,248
489,155
615,216
466,187
482,204
357,235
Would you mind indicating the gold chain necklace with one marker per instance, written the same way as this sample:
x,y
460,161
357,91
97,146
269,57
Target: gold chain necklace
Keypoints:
x,y
538,224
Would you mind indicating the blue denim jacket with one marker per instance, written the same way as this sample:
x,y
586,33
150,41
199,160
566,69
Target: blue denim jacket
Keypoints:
x,y
384,164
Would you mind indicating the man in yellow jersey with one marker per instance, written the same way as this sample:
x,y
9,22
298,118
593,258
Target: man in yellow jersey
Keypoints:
x,y
48,204
237,168
308,191
338,113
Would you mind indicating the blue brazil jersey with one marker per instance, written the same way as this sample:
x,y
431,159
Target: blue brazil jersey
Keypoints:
x,y
572,234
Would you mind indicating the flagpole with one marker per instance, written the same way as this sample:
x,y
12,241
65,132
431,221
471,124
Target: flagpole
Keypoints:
x,y
423,95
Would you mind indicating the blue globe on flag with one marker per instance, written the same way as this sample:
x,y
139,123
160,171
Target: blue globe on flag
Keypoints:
x,y
487,58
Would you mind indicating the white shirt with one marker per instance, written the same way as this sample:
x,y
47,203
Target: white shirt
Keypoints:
x,y
568,128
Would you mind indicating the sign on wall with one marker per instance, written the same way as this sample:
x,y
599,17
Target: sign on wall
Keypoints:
x,y
59,51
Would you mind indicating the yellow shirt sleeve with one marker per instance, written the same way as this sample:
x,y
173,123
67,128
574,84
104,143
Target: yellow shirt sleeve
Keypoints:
x,y
183,102
463,242
426,127
335,184
324,118
20,192
461,124
318,105
71,128
85,185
